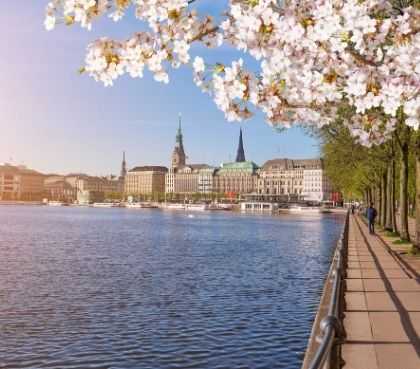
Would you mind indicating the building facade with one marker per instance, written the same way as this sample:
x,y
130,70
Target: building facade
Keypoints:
x,y
96,189
234,179
316,186
298,179
20,183
145,180
191,178
183,178
206,183
58,188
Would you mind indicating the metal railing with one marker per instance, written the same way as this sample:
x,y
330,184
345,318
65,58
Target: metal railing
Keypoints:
x,y
328,354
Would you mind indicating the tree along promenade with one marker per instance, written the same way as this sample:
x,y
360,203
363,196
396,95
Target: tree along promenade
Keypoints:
x,y
382,304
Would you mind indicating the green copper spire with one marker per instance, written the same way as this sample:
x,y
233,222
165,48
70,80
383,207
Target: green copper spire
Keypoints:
x,y
178,155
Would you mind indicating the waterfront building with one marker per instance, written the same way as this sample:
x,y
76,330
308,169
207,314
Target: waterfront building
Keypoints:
x,y
20,183
191,178
316,185
206,180
145,180
236,178
58,188
96,189
239,177
298,179
183,178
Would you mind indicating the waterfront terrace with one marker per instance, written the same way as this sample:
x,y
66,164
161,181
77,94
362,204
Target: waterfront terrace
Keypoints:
x,y
377,323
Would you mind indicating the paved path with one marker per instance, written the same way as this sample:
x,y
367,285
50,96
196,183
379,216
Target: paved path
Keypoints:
x,y
382,312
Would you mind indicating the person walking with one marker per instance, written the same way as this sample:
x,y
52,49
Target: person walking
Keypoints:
x,y
371,214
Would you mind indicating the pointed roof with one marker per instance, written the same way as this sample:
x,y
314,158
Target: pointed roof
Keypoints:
x,y
240,153
123,172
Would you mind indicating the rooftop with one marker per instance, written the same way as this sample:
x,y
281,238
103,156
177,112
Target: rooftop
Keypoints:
x,y
21,169
149,168
284,163
244,165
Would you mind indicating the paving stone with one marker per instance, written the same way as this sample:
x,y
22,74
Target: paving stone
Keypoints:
x,y
404,284
415,322
355,301
409,300
355,285
387,327
396,356
357,326
359,356
379,301
374,285
354,273
368,264
370,273
395,273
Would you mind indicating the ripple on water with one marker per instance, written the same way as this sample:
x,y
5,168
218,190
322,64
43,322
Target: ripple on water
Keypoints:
x,y
112,288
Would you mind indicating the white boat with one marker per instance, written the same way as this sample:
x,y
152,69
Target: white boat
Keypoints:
x,y
175,206
105,205
302,209
57,203
187,207
196,207
220,207
134,205
139,205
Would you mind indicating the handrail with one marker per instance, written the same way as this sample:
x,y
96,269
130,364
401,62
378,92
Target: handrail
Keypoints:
x,y
330,326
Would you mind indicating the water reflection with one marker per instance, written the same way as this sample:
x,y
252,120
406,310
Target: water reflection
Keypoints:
x,y
115,288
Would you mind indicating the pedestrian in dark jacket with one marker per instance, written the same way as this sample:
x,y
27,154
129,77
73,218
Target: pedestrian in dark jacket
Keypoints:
x,y
371,214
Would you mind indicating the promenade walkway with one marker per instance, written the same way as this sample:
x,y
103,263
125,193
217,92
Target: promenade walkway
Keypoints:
x,y
382,312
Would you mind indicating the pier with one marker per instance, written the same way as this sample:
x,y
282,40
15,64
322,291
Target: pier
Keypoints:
x,y
378,323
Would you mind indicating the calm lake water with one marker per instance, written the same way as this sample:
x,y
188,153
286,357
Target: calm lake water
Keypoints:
x,y
124,288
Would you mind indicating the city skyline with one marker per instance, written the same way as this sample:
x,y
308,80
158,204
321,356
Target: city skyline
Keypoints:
x,y
124,159
54,120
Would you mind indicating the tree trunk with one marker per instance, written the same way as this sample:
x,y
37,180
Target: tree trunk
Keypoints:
x,y
393,215
389,202
378,201
404,234
383,199
417,240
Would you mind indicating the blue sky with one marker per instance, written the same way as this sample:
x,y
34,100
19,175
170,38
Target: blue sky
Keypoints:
x,y
54,120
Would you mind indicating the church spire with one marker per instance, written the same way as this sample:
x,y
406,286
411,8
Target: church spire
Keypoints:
x,y
179,139
240,154
123,167
178,155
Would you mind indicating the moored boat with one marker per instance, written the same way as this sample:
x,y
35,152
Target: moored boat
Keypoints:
x,y
57,203
298,209
140,205
106,205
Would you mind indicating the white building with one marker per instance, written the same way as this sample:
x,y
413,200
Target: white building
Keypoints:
x,y
303,179
316,186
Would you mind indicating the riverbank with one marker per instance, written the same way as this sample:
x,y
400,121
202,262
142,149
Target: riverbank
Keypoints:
x,y
31,203
380,314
